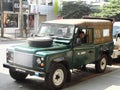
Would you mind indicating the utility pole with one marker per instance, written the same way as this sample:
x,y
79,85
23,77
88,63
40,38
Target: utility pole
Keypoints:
x,y
2,19
37,21
21,17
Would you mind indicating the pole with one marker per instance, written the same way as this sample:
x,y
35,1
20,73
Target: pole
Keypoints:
x,y
37,4
2,20
21,17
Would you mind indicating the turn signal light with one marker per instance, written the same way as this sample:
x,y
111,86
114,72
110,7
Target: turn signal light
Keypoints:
x,y
42,64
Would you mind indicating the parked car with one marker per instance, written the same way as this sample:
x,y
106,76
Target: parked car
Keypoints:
x,y
116,39
116,28
55,50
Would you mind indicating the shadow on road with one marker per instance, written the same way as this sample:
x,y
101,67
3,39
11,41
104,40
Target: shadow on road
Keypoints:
x,y
80,76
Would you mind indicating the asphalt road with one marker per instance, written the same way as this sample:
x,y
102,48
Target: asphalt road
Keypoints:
x,y
87,80
110,80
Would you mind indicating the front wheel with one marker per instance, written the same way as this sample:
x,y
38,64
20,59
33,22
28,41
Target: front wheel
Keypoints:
x,y
19,76
57,76
101,64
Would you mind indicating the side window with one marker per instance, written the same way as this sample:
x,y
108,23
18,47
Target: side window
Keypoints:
x,y
81,36
84,35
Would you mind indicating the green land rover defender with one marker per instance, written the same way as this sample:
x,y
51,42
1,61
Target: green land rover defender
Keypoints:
x,y
55,51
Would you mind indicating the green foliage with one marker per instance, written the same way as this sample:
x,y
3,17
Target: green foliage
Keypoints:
x,y
75,9
56,7
110,10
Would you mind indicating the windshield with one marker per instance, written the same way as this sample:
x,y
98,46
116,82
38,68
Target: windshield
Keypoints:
x,y
56,30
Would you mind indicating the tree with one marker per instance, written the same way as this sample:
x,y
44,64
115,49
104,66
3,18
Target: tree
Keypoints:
x,y
74,9
111,10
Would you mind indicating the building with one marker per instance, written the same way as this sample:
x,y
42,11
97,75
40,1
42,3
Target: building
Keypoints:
x,y
34,12
42,10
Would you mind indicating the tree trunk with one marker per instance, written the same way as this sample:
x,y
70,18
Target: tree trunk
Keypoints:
x,y
2,19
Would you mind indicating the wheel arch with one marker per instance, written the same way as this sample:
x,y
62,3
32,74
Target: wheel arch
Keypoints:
x,y
63,62
105,51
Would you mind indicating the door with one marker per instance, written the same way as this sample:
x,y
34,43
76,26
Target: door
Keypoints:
x,y
84,53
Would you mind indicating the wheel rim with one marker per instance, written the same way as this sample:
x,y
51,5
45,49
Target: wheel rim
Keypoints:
x,y
103,63
58,77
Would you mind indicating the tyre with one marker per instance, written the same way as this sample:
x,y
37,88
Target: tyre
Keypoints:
x,y
101,64
68,79
57,76
40,42
83,68
19,76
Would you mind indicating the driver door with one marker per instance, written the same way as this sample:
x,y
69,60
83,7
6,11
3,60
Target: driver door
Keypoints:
x,y
85,52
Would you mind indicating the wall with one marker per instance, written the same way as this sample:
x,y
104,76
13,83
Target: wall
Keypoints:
x,y
48,11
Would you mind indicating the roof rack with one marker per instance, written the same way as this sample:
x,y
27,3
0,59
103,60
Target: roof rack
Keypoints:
x,y
110,19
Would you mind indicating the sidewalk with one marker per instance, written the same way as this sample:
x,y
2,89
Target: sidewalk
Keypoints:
x,y
11,37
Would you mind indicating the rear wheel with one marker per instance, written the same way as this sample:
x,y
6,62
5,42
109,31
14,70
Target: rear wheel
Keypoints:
x,y
57,76
19,76
101,64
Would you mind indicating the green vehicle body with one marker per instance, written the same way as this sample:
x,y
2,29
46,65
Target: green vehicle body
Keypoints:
x,y
65,50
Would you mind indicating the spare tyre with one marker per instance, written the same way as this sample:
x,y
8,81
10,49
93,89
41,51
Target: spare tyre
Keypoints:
x,y
40,41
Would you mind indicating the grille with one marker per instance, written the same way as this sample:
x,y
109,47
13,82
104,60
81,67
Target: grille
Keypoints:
x,y
23,59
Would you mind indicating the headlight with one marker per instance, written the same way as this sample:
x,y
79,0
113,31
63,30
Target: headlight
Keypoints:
x,y
10,56
40,61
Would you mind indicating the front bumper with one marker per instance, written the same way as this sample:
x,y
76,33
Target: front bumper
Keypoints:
x,y
24,70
